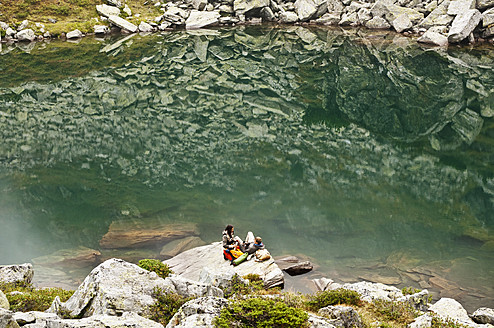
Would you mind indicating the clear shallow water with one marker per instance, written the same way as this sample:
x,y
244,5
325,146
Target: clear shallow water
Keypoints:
x,y
367,154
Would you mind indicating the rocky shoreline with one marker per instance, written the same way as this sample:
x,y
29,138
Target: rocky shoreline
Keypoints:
x,y
119,294
437,22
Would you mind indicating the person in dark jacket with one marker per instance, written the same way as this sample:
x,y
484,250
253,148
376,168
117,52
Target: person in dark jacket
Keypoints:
x,y
230,241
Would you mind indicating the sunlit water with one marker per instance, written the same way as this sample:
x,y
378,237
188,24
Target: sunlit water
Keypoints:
x,y
366,154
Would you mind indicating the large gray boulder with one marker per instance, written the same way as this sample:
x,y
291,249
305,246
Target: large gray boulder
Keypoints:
x,y
342,316
7,319
463,25
433,38
370,291
450,309
75,34
122,23
26,35
438,17
107,11
249,7
4,302
198,19
457,7
17,274
116,286
401,23
483,316
199,312
287,17
211,258
305,9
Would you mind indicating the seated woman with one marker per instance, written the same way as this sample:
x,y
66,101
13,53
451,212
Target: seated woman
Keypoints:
x,y
230,242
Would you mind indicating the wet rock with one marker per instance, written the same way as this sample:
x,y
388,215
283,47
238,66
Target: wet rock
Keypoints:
x,y
198,312
298,268
74,257
178,246
463,25
145,27
101,29
26,35
17,274
288,17
375,277
4,302
377,23
122,23
211,257
7,320
198,19
107,11
433,38
132,234
341,316
483,316
249,7
75,34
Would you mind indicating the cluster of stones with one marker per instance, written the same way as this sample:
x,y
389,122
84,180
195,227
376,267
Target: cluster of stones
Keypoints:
x,y
119,294
438,21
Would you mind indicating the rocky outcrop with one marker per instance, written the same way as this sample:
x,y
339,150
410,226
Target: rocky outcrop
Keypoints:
x,y
115,287
17,274
199,312
342,316
210,258
7,319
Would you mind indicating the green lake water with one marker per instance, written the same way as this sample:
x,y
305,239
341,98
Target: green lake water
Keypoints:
x,y
367,154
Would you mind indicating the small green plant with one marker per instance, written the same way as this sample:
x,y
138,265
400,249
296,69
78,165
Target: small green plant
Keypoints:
x,y
410,290
157,266
438,322
27,298
333,297
399,312
261,313
166,306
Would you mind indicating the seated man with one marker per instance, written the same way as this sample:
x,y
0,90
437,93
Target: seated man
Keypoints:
x,y
252,247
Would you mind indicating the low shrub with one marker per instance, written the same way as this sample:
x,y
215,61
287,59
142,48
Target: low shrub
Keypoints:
x,y
399,312
166,306
332,297
410,290
27,298
157,266
437,322
261,313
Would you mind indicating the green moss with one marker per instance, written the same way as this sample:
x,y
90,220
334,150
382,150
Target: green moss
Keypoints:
x,y
261,313
333,297
157,266
27,298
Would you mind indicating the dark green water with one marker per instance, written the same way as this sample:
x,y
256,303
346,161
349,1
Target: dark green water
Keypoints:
x,y
366,153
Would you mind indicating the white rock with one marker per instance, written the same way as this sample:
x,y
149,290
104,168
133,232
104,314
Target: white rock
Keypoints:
x,y
335,6
26,35
370,291
75,34
288,17
23,25
450,309
316,321
4,26
145,27
127,10
244,7
198,313
483,316
377,23
349,19
463,25
23,318
329,19
424,321
401,23
341,316
9,32
101,29
198,19
126,320
488,17
305,9
107,11
22,273
199,4
122,23
484,4
211,257
457,7
7,320
4,302
434,38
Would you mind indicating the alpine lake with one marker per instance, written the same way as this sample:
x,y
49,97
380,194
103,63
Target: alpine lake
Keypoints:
x,y
361,151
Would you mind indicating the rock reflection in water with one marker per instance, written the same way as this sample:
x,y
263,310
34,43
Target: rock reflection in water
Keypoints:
x,y
366,153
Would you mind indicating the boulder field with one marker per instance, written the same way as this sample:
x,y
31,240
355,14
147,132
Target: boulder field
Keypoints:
x,y
118,294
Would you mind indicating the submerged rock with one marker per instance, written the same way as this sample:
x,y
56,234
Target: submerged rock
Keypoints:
x,y
178,246
17,274
74,257
210,257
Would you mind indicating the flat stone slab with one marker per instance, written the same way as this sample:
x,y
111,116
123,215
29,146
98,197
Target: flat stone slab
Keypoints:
x,y
122,23
191,263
